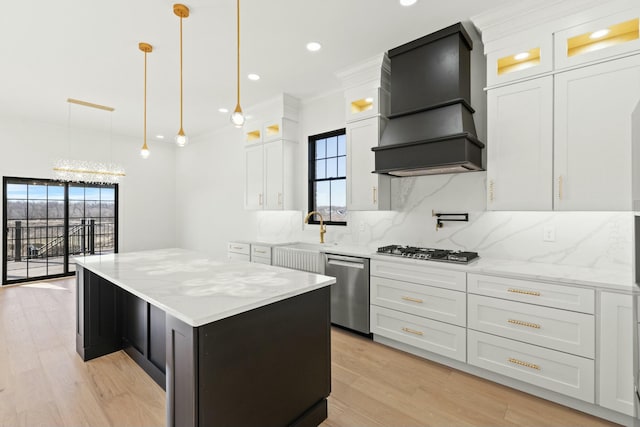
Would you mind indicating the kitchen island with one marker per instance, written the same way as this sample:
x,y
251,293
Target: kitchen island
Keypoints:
x,y
233,343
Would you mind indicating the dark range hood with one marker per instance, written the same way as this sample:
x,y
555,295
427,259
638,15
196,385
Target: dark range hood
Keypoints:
x,y
430,129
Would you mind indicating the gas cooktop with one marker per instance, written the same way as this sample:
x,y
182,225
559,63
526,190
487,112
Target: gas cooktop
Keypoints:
x,y
431,254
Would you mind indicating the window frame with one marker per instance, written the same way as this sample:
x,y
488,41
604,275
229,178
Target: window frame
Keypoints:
x,y
67,269
311,150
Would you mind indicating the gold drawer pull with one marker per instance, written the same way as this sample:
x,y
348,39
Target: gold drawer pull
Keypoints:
x,y
413,299
259,251
520,291
412,331
237,247
523,323
525,364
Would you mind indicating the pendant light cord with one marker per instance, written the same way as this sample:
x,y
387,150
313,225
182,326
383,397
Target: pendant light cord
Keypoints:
x,y
181,72
145,100
238,52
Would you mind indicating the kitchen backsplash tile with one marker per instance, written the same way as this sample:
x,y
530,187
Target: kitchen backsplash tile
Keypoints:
x,y
590,239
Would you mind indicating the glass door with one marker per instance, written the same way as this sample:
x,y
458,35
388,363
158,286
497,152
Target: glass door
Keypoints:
x,y
48,221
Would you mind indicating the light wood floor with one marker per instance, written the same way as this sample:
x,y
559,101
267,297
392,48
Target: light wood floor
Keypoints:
x,y
43,382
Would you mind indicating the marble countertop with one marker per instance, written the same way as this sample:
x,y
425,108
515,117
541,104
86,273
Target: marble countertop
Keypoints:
x,y
198,290
621,280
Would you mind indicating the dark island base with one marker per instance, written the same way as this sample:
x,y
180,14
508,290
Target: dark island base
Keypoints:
x,y
270,366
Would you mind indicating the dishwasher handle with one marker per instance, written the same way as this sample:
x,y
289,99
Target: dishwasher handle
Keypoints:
x,y
344,261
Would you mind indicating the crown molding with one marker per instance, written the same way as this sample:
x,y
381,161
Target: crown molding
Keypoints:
x,y
375,69
518,17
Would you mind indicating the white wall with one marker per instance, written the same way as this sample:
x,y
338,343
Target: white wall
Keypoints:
x,y
210,193
147,194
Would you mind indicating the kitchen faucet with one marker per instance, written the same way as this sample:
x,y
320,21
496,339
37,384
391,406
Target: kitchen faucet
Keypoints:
x,y
323,228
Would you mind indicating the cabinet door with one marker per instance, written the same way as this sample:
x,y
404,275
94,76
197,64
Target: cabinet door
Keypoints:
x,y
593,123
366,191
616,351
520,146
274,168
254,175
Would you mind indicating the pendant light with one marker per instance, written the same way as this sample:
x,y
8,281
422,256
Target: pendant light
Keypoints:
x,y
181,11
146,48
237,118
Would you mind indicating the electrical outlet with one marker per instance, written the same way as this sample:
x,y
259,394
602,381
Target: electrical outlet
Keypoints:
x,y
549,233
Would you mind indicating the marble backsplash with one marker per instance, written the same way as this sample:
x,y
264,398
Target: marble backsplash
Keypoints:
x,y
590,239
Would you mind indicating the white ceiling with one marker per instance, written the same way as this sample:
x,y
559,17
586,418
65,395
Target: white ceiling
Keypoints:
x,y
88,49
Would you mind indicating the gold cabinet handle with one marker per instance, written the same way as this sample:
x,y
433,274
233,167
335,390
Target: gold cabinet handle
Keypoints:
x,y
523,323
259,251
413,299
525,364
520,291
260,199
279,199
375,195
236,247
560,187
412,331
491,190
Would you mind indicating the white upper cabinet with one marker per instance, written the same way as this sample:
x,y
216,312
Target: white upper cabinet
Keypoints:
x,y
279,161
254,177
270,155
598,39
366,107
529,55
519,154
366,191
593,133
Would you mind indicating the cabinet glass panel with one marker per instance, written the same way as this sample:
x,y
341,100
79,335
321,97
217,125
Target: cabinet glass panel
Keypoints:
x,y
519,61
603,38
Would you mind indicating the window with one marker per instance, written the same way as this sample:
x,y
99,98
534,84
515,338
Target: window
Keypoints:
x,y
47,222
328,177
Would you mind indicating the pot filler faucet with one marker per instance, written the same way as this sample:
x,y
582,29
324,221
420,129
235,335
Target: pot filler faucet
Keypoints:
x,y
323,228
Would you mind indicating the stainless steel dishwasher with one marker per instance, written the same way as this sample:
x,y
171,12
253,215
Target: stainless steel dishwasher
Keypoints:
x,y
350,293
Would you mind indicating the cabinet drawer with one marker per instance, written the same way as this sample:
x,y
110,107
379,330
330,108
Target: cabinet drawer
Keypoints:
x,y
241,257
260,251
563,373
430,335
239,248
414,273
548,294
548,327
435,303
261,260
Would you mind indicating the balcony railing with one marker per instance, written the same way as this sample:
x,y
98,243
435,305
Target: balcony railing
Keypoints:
x,y
46,241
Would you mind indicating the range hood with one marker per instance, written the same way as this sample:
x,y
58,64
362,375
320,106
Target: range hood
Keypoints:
x,y
430,129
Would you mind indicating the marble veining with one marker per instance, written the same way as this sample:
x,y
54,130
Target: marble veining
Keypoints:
x,y
198,290
597,240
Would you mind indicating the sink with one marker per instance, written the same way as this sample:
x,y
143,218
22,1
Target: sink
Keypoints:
x,y
315,247
299,256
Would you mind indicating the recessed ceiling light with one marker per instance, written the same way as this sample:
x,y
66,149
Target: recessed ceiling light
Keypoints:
x,y
408,2
253,77
599,34
520,56
223,110
160,136
313,46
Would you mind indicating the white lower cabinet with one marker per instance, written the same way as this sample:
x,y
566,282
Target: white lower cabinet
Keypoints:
x,y
261,254
554,370
616,350
421,306
239,250
427,334
547,327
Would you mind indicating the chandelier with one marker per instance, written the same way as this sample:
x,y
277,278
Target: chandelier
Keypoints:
x,y
91,172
